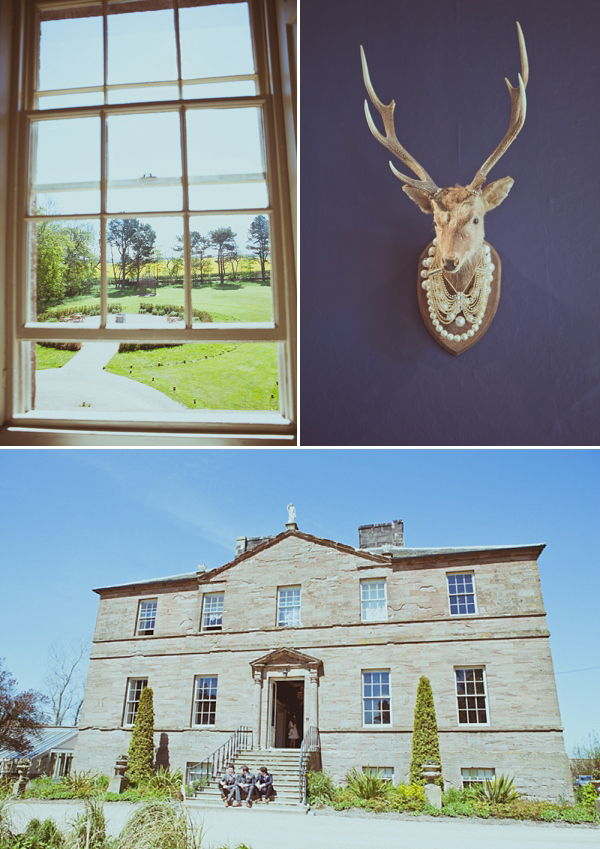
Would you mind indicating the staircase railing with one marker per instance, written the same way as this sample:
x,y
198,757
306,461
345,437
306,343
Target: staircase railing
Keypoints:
x,y
311,743
203,771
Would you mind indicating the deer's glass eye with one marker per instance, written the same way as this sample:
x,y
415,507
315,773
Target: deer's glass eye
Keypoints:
x,y
476,220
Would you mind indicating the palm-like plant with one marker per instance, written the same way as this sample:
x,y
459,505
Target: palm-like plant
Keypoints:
x,y
366,785
498,791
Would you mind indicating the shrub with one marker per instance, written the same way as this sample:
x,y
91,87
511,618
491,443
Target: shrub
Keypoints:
x,y
159,825
44,834
425,743
406,797
587,796
89,828
163,783
82,785
321,789
500,790
45,788
141,748
366,785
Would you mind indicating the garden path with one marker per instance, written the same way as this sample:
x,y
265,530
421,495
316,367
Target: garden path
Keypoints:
x,y
83,381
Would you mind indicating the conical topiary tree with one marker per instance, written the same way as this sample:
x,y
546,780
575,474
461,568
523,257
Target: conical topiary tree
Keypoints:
x,y
425,743
141,747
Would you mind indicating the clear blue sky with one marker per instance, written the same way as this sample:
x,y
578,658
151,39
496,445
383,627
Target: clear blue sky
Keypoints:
x,y
77,519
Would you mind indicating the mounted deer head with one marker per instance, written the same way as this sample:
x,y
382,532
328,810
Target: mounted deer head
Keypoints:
x,y
459,280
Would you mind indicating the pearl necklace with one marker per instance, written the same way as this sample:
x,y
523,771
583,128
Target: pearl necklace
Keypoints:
x,y
446,306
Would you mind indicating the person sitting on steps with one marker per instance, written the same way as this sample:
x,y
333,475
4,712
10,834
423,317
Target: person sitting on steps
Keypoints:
x,y
226,783
243,784
263,786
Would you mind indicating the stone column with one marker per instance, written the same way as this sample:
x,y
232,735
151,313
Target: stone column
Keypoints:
x,y
313,718
257,704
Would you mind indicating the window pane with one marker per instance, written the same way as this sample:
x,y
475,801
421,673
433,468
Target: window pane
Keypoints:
x,y
223,34
226,159
66,173
141,45
145,270
143,95
63,101
235,88
231,271
76,34
65,275
144,163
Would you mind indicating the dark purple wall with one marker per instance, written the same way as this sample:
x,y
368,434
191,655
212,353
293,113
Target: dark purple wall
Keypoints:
x,y
371,373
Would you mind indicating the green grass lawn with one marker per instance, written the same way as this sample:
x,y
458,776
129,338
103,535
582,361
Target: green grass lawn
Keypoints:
x,y
234,376
51,358
246,301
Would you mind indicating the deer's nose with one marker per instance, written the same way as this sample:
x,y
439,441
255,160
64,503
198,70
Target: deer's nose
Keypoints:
x,y
450,263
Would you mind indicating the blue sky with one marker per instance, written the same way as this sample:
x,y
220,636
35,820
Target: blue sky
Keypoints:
x,y
77,519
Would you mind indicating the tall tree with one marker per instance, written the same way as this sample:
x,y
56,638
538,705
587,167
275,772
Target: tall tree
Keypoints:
x,y
80,258
141,747
50,267
64,682
21,714
425,742
258,241
142,247
223,239
199,253
121,234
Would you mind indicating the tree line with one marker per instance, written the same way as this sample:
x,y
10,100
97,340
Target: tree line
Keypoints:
x,y
67,259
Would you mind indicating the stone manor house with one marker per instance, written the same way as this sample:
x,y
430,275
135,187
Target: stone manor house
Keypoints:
x,y
334,638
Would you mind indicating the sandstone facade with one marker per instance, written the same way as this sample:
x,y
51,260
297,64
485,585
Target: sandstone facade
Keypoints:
x,y
314,670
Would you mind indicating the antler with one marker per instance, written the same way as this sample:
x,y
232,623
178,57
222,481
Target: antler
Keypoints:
x,y
390,140
518,108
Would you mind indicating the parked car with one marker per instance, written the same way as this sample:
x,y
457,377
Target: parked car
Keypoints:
x,y
581,780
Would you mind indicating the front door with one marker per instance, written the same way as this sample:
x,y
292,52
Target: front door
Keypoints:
x,y
287,714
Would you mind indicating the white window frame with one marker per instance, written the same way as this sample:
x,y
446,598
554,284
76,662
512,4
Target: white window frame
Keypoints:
x,y
286,607
450,595
365,698
483,695
479,778
146,632
385,773
132,699
381,612
198,702
25,425
207,612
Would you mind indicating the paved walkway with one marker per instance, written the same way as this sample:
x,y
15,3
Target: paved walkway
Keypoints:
x,y
82,380
268,829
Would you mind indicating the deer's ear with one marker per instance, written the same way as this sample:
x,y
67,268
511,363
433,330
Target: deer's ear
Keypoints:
x,y
420,197
494,194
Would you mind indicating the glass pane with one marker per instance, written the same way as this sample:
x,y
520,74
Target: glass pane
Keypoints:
x,y
225,159
66,172
160,380
141,45
76,34
143,95
231,271
64,101
65,271
145,270
234,88
223,31
144,163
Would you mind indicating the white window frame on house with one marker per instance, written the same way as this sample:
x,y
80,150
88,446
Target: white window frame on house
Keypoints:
x,y
289,601
24,425
132,699
212,611
385,773
476,775
373,600
477,693
462,597
144,619
368,698
204,709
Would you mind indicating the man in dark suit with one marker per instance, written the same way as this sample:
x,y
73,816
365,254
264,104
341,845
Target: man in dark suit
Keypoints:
x,y
263,786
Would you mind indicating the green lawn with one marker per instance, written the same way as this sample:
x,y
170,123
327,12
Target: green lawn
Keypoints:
x,y
51,358
234,376
246,301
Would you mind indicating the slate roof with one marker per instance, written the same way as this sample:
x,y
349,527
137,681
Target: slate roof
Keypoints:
x,y
50,737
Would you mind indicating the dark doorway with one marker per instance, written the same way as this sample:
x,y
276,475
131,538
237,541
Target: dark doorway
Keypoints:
x,y
287,711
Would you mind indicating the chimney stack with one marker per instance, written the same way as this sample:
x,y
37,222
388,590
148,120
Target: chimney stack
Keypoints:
x,y
382,536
